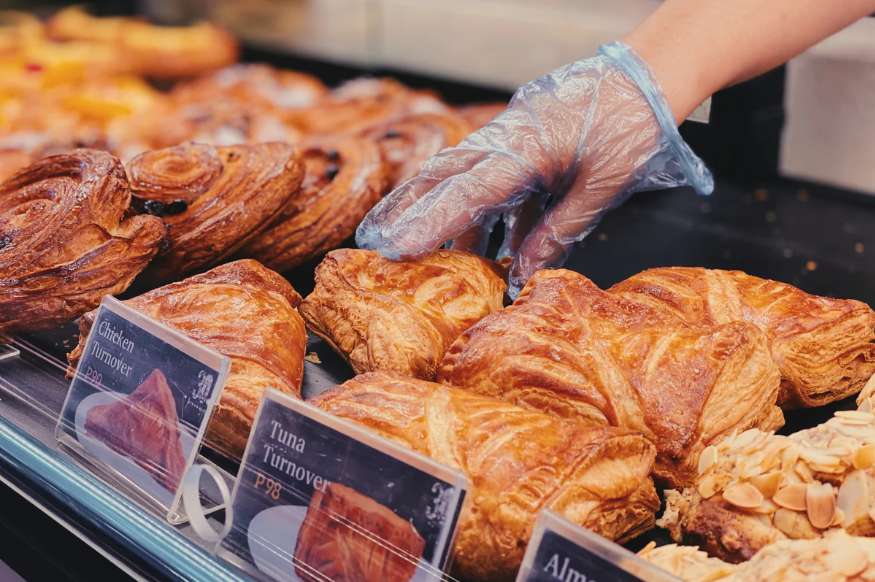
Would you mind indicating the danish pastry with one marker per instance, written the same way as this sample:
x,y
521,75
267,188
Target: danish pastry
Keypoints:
x,y
518,461
399,316
65,241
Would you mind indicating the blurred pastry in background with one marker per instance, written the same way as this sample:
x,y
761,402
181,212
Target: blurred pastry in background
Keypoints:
x,y
66,239
396,316
479,114
343,179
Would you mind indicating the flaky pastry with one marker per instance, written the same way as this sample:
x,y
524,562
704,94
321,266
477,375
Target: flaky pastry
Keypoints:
x,y
518,461
399,316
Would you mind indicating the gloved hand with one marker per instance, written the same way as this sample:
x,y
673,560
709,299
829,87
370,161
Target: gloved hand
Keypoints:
x,y
570,146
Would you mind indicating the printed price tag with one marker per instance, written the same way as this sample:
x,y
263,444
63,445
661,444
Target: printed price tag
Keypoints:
x,y
139,405
562,551
311,484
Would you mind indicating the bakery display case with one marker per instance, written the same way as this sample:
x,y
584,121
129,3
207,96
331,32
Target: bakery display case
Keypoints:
x,y
201,377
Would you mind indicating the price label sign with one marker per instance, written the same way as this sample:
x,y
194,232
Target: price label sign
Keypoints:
x,y
561,551
318,498
139,405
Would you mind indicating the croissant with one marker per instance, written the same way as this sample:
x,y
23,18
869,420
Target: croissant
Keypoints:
x,y
408,142
399,316
518,461
213,200
838,557
479,114
572,350
241,310
758,488
65,241
344,178
822,346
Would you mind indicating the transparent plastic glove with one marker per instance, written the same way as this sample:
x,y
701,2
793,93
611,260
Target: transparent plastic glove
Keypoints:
x,y
570,146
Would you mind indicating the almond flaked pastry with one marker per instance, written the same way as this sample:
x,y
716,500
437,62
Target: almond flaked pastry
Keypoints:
x,y
792,497
853,498
744,495
820,504
847,559
794,525
707,459
864,457
768,483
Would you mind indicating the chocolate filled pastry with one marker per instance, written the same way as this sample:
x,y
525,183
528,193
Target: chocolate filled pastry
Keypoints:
x,y
349,536
572,350
408,142
241,310
343,179
758,488
822,346
519,462
213,200
143,426
381,314
480,114
65,241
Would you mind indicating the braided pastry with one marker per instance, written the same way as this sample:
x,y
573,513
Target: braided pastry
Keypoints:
x,y
408,142
519,462
213,200
65,241
822,346
245,312
399,316
343,179
568,348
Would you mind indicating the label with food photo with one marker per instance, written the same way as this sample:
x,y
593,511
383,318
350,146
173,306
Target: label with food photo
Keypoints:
x,y
139,403
318,498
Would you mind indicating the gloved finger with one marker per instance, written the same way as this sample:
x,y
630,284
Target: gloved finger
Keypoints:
x,y
519,221
459,203
475,240
438,168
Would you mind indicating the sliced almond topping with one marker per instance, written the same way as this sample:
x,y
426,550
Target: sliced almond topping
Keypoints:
x,y
708,487
853,498
869,574
767,484
745,438
845,557
855,415
820,503
744,495
838,518
768,506
872,514
820,458
864,457
707,459
865,406
804,471
792,497
794,525
771,452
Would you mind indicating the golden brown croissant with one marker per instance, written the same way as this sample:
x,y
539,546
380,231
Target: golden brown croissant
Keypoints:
x,y
519,462
213,200
823,346
343,179
758,488
572,350
349,536
241,310
65,241
408,142
399,316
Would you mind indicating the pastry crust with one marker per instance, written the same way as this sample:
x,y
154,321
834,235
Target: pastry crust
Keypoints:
x,y
331,545
241,310
399,316
408,142
65,241
572,350
343,179
519,462
213,200
823,346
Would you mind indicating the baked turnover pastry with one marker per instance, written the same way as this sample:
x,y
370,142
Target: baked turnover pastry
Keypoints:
x,y
757,488
151,430
688,563
822,346
213,200
343,179
241,310
349,536
65,241
570,349
408,142
399,316
519,462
